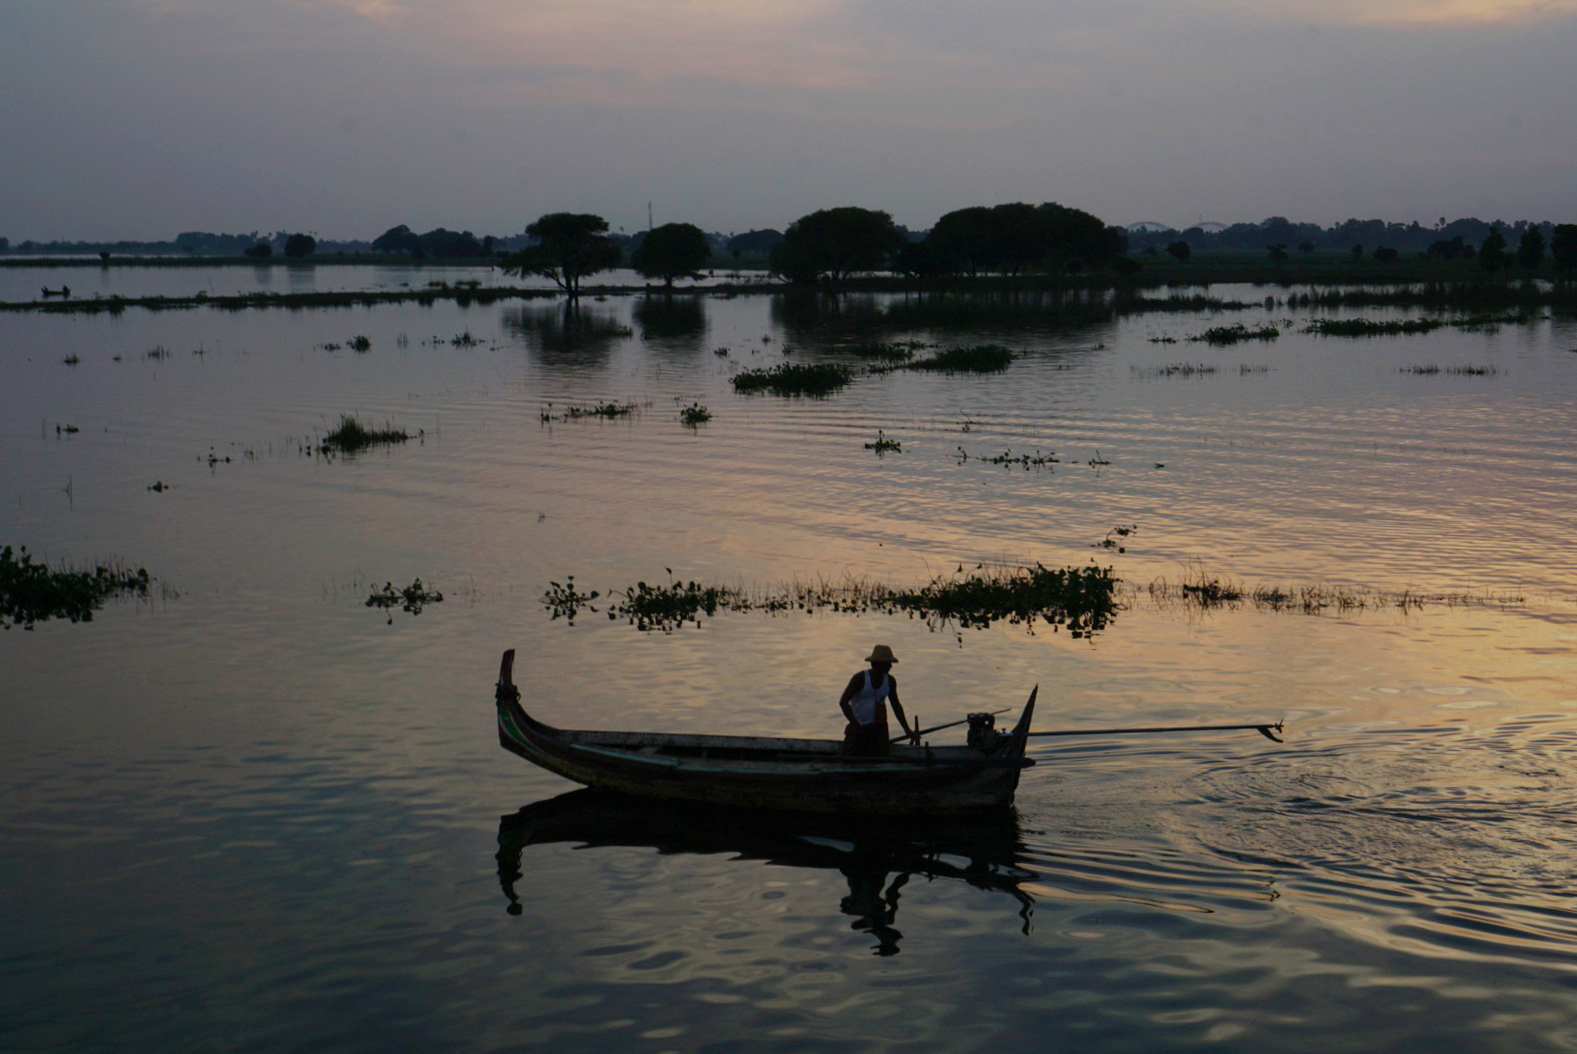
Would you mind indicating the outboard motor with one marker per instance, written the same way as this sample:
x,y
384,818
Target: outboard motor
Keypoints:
x,y
983,734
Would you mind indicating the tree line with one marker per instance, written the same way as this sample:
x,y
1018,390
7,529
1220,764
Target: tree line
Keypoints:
x,y
831,245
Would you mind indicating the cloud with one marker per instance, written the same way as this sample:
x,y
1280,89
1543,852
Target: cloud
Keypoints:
x,y
1403,13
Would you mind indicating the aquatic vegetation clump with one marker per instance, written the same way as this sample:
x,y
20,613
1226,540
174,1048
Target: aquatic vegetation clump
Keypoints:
x,y
1237,333
816,380
410,599
32,592
1175,369
352,436
360,343
978,358
883,445
1084,599
1007,457
564,602
1457,371
1203,592
607,411
1367,327
1114,537
648,607
1178,302
694,415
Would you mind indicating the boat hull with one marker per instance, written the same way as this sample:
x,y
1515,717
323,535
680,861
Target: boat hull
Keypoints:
x,y
802,775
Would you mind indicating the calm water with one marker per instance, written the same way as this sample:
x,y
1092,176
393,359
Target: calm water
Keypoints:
x,y
19,284
253,814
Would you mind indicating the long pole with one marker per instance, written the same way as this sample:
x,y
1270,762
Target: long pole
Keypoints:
x,y
1264,730
938,728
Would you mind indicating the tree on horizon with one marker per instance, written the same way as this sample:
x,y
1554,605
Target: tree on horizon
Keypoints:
x,y
568,246
833,244
674,250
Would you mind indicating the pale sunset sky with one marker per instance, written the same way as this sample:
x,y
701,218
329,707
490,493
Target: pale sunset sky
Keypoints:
x,y
142,118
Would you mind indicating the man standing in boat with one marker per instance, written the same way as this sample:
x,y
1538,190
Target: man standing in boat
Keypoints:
x,y
864,703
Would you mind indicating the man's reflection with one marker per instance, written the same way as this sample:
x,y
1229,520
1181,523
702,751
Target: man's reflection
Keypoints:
x,y
872,902
876,859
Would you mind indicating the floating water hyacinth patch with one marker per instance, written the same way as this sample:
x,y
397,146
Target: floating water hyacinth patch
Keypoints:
x,y
32,592
816,380
1007,457
883,445
607,411
1238,333
1080,599
694,415
411,598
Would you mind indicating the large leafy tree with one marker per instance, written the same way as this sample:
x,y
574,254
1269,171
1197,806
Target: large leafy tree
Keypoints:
x,y
437,242
299,245
1563,245
964,241
1530,251
833,244
1075,239
566,247
762,241
674,250
1015,237
1492,254
399,239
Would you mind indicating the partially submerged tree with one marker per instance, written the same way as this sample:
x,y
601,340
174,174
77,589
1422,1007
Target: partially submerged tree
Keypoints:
x,y
674,250
833,244
566,247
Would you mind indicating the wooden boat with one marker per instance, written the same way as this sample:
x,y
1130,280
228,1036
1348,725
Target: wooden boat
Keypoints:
x,y
804,775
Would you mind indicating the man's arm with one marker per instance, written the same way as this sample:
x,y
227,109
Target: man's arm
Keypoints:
x,y
848,693
903,720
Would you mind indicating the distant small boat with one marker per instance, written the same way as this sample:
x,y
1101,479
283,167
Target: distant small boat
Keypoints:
x,y
64,291
802,775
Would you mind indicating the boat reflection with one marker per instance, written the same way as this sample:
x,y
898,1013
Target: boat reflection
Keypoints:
x,y
876,856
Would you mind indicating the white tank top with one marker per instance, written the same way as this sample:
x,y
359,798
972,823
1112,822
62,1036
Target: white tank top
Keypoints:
x,y
867,699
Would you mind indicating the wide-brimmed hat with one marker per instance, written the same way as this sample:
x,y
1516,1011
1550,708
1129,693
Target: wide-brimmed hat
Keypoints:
x,y
882,653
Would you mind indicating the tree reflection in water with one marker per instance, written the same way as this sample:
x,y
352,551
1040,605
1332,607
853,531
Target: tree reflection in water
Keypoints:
x,y
876,857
